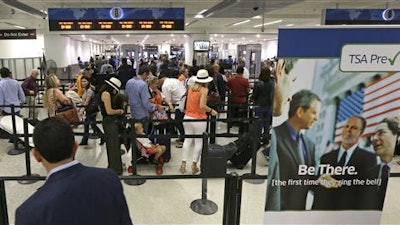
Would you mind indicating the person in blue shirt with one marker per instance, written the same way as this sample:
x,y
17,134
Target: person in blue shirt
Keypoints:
x,y
11,92
137,93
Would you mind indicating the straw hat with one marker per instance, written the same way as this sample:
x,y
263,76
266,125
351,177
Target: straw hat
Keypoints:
x,y
202,76
114,82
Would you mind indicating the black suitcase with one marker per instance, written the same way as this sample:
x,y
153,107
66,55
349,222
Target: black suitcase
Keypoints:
x,y
243,152
244,146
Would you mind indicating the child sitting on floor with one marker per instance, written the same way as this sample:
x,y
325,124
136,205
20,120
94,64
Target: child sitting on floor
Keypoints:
x,y
146,148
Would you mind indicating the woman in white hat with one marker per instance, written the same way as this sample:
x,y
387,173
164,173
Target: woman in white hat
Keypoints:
x,y
110,126
196,108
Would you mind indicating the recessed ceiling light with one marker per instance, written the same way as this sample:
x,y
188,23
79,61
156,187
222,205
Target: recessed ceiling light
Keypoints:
x,y
256,17
269,23
241,22
215,35
127,35
258,35
289,25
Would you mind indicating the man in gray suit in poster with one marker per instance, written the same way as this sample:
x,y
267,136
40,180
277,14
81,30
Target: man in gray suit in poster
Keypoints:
x,y
290,149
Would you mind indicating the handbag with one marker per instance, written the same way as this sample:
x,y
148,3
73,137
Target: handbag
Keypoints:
x,y
213,96
92,107
69,113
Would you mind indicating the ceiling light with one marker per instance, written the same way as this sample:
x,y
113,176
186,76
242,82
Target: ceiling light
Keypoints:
x,y
269,23
19,27
258,35
256,17
190,23
289,25
172,35
198,16
127,35
241,22
202,11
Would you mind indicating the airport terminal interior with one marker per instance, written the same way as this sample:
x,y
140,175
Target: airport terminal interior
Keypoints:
x,y
241,30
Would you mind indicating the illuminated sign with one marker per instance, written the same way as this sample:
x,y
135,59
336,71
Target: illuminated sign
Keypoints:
x,y
17,34
74,19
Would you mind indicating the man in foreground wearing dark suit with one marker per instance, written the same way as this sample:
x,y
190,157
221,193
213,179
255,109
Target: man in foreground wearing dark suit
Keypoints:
x,y
73,193
332,193
292,150
384,143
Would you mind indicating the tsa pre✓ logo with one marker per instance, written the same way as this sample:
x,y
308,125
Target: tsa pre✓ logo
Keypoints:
x,y
373,58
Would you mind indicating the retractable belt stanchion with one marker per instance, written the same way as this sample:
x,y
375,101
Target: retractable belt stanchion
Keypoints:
x,y
3,204
204,206
16,150
254,147
230,200
137,180
27,155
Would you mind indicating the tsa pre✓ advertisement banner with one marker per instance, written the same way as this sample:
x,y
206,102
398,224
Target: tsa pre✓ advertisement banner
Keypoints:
x,y
336,113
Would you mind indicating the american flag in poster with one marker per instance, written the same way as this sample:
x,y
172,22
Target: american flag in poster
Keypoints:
x,y
378,100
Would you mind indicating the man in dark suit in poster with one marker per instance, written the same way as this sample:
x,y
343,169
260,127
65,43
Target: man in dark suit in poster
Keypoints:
x,y
73,193
338,191
292,150
384,142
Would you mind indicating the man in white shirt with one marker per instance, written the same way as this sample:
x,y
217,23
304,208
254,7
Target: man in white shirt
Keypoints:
x,y
173,90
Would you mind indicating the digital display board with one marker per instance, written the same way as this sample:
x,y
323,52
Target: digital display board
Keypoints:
x,y
362,16
116,18
201,45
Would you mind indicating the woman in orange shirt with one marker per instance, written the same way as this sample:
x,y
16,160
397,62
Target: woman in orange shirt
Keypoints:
x,y
196,108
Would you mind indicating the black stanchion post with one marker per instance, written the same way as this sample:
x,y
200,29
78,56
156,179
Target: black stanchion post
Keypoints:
x,y
3,204
204,206
230,203
213,129
254,146
137,181
16,150
27,155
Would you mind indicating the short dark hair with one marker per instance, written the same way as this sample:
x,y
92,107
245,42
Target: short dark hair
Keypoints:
x,y
265,75
54,139
392,124
240,69
303,98
143,70
5,72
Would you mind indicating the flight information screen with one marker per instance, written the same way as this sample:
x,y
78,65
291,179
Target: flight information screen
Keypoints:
x,y
116,18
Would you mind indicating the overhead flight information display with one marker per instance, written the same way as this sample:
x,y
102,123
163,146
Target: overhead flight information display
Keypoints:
x,y
116,18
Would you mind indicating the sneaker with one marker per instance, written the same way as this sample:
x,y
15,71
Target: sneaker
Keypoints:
x,y
159,169
262,159
94,136
178,141
179,145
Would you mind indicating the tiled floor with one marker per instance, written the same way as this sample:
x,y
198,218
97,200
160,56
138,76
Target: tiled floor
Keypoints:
x,y
166,201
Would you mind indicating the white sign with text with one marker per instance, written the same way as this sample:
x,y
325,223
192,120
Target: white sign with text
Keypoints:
x,y
370,58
